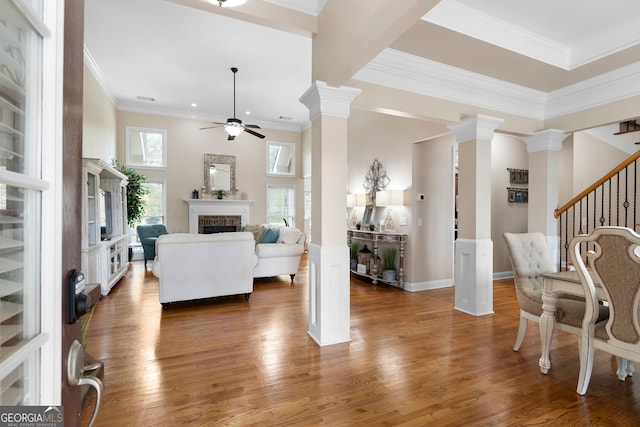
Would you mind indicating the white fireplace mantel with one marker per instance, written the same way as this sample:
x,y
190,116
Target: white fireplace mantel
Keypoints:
x,y
199,207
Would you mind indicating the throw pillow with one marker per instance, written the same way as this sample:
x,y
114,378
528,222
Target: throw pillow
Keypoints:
x,y
270,236
289,235
257,231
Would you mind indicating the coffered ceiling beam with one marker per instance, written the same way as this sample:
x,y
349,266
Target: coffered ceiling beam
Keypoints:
x,y
351,33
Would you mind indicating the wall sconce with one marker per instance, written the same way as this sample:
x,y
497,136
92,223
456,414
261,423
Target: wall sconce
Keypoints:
x,y
390,198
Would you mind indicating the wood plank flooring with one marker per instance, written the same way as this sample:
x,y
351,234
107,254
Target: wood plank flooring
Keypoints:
x,y
412,361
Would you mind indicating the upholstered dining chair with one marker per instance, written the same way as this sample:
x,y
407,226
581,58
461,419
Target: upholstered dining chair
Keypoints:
x,y
614,263
148,234
529,260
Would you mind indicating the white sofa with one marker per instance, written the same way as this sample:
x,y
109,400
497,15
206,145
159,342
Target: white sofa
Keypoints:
x,y
194,266
282,256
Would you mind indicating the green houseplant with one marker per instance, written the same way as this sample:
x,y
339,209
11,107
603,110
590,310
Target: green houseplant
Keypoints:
x,y
136,205
389,264
355,247
220,193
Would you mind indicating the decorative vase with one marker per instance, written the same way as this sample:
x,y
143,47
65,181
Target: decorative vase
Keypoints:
x,y
389,274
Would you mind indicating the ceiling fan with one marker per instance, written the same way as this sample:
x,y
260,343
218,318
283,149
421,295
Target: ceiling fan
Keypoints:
x,y
234,126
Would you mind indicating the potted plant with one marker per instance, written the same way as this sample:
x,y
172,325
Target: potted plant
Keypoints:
x,y
355,247
372,227
389,264
220,193
358,225
136,205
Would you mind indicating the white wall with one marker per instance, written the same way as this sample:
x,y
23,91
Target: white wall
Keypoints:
x,y
98,121
506,152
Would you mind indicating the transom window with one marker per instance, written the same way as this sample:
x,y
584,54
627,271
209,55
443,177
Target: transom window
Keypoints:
x,y
281,158
146,147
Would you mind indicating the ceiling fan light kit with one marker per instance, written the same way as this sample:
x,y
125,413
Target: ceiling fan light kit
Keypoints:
x,y
234,126
228,3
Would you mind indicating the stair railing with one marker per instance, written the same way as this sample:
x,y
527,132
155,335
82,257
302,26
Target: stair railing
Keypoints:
x,y
612,200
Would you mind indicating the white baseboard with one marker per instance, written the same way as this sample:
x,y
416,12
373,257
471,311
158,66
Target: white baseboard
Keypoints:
x,y
426,286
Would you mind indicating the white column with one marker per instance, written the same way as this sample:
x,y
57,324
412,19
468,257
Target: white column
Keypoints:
x,y
329,302
474,247
544,169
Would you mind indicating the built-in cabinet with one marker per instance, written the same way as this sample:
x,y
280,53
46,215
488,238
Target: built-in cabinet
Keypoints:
x,y
104,224
376,242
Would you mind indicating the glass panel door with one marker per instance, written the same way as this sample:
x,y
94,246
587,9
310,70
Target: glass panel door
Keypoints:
x,y
21,186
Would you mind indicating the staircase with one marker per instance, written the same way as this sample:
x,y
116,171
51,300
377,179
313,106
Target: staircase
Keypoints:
x,y
612,200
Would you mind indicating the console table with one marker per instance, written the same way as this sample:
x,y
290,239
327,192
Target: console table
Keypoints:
x,y
378,241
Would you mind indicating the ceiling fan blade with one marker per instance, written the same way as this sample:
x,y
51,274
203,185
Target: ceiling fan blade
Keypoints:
x,y
253,126
214,125
253,133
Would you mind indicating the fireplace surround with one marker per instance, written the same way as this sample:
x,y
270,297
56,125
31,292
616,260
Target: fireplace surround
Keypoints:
x,y
217,213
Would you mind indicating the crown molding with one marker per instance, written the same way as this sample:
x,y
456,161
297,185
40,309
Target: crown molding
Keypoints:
x,y
310,7
609,87
186,114
473,23
399,70
479,25
97,74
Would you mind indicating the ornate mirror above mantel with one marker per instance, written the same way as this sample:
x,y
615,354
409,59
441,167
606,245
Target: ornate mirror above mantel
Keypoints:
x,y
219,173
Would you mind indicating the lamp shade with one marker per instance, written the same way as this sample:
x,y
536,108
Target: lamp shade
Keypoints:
x,y
356,200
390,198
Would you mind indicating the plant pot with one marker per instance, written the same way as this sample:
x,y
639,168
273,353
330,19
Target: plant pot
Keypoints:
x,y
389,274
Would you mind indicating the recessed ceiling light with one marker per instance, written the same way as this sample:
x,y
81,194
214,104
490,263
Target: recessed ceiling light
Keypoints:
x,y
194,105
285,118
248,113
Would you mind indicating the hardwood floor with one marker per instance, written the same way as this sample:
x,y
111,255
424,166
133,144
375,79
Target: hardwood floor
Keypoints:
x,y
412,361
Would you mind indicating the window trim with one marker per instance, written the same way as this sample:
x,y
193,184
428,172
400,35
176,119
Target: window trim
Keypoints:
x,y
292,145
292,208
129,162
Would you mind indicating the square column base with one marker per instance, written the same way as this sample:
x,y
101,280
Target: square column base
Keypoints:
x,y
474,277
329,294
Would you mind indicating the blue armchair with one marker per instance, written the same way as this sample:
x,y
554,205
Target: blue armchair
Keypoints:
x,y
148,234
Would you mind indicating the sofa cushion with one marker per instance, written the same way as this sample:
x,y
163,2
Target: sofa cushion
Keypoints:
x,y
269,250
289,235
270,236
257,230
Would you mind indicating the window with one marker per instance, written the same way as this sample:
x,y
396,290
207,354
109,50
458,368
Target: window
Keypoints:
x,y
156,207
281,158
29,149
280,204
146,147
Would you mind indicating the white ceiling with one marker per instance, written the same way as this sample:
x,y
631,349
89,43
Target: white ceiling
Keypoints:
x,y
180,55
